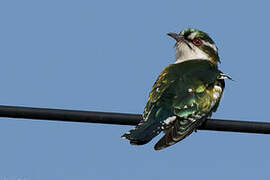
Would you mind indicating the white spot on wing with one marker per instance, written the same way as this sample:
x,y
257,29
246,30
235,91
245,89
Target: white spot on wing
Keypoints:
x,y
212,104
216,95
169,120
217,88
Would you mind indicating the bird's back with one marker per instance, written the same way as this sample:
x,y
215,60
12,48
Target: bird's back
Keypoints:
x,y
181,98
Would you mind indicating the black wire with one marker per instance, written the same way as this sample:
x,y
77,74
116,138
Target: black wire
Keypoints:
x,y
123,119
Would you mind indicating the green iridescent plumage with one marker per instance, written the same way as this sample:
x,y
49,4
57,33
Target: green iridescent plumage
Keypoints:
x,y
183,90
199,34
183,96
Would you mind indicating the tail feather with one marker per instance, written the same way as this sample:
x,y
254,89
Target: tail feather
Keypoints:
x,y
143,133
148,128
177,133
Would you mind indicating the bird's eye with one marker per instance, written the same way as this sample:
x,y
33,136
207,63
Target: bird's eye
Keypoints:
x,y
197,42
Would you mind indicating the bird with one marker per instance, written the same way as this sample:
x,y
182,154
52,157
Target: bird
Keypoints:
x,y
185,94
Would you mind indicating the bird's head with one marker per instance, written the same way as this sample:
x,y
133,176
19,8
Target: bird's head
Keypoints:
x,y
194,44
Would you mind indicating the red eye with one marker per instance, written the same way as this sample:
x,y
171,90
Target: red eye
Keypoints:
x,y
197,42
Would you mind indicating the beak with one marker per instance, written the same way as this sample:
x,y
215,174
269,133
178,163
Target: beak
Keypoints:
x,y
179,39
175,36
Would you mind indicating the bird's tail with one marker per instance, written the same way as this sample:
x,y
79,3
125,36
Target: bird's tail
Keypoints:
x,y
181,129
148,128
143,133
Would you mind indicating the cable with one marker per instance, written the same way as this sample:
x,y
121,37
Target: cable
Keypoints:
x,y
123,119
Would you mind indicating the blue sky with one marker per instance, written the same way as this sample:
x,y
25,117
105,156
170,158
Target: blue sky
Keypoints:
x,y
105,56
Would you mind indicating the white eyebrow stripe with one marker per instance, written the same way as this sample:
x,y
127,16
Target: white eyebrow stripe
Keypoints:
x,y
210,45
192,35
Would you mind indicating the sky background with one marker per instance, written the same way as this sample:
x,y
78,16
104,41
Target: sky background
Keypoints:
x,y
105,56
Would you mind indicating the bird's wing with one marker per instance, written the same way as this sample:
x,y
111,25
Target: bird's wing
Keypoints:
x,y
171,99
200,97
151,123
166,79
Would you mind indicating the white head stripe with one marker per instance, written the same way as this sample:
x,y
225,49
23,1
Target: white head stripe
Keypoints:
x,y
192,35
210,45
